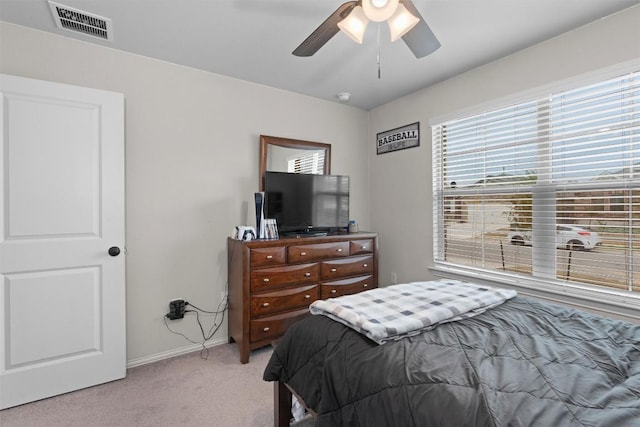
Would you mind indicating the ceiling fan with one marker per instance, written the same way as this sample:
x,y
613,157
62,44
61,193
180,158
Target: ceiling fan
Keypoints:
x,y
352,18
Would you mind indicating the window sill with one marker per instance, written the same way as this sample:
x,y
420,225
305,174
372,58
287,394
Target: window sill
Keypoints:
x,y
612,303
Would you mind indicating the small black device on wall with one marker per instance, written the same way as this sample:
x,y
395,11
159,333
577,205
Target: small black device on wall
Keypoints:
x,y
176,309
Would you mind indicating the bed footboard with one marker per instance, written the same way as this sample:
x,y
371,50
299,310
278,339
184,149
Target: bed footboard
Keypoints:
x,y
281,405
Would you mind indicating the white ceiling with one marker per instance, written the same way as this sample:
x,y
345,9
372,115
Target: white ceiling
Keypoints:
x,y
252,40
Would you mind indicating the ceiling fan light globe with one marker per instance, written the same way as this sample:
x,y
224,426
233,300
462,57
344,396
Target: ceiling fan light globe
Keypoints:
x,y
354,24
379,10
401,22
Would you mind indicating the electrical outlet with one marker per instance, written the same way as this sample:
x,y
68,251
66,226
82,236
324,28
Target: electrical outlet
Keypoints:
x,y
394,278
176,309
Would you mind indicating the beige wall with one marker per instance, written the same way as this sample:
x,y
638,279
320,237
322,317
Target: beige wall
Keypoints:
x,y
192,143
192,156
401,198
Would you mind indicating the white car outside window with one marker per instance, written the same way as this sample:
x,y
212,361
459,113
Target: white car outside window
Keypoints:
x,y
567,237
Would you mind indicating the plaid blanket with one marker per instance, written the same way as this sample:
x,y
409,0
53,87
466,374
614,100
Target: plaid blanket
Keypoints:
x,y
397,311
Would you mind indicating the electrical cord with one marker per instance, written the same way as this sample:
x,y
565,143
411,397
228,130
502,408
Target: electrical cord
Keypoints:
x,y
179,333
204,353
205,311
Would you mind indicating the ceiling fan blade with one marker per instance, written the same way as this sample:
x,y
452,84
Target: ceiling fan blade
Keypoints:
x,y
325,31
420,39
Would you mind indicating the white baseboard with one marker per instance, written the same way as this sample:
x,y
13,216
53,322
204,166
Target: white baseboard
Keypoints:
x,y
173,353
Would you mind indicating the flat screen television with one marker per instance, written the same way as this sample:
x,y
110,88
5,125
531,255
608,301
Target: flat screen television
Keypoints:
x,y
305,203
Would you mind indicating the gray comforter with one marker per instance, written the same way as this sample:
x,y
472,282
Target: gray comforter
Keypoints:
x,y
523,363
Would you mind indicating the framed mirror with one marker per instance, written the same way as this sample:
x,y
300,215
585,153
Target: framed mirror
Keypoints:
x,y
293,155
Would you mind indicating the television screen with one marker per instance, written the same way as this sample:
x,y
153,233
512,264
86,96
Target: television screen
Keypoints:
x,y
303,203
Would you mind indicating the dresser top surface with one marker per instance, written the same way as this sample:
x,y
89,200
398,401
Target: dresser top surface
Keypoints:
x,y
304,240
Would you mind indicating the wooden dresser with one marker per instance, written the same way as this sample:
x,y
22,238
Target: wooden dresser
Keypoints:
x,y
272,282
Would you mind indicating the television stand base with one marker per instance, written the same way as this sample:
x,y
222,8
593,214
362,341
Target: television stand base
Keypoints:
x,y
305,234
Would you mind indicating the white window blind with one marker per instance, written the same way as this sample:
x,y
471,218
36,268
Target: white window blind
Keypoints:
x,y
548,188
307,163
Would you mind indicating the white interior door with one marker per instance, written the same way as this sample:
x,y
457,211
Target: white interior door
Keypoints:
x,y
62,296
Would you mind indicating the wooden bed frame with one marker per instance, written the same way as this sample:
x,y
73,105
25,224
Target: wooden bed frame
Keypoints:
x,y
281,404
282,395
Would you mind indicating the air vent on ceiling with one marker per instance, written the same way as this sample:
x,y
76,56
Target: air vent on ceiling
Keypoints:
x,y
68,18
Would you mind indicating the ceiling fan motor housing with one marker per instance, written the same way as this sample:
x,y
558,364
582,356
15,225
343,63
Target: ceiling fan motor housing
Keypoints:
x,y
379,10
404,21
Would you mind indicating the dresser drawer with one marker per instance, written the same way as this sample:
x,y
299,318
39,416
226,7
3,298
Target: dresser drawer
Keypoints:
x,y
345,286
265,257
275,326
286,299
363,246
277,277
272,282
346,267
317,251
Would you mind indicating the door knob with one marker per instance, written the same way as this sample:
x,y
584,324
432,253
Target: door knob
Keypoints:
x,y
114,251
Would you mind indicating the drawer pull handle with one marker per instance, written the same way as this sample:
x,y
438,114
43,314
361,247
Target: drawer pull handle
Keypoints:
x,y
365,285
307,274
269,256
333,291
303,253
266,329
307,296
363,247
333,270
265,280
339,250
266,304
365,265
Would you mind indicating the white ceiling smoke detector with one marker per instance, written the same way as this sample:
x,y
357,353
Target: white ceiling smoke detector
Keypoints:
x,y
344,96
78,21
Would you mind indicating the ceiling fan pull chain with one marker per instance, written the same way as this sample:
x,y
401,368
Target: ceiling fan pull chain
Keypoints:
x,y
378,55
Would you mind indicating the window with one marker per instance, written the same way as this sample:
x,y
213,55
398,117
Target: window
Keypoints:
x,y
307,163
547,189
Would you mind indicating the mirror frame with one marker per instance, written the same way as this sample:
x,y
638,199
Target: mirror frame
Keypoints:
x,y
266,141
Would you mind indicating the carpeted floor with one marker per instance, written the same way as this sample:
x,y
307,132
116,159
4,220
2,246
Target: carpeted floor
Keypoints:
x,y
185,390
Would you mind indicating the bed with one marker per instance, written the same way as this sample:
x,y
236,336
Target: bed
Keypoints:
x,y
519,363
